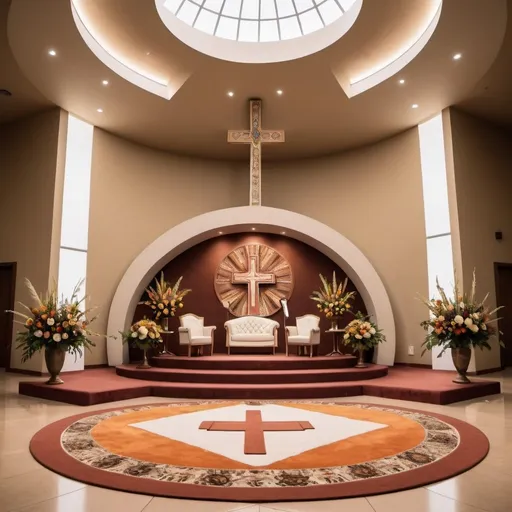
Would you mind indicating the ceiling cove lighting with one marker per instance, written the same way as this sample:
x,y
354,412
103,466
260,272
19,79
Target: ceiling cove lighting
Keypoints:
x,y
104,82
231,94
457,56
100,110
401,81
415,105
53,53
280,92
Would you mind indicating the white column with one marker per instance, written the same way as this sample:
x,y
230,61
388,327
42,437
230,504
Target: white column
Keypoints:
x,y
437,219
75,216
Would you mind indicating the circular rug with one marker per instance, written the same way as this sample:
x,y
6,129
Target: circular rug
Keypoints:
x,y
259,451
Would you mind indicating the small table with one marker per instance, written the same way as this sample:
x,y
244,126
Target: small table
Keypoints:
x,y
166,352
336,341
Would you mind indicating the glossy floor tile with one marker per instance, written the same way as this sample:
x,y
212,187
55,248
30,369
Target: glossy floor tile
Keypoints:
x,y
28,487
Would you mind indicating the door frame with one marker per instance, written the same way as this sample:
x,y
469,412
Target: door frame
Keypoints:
x,y
497,267
13,266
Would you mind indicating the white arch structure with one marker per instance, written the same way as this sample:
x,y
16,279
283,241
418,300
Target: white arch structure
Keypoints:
x,y
242,219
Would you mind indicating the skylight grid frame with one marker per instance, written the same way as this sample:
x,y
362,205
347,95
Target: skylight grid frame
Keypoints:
x,y
221,12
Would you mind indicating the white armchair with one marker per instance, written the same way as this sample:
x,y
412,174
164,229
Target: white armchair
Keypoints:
x,y
305,334
193,333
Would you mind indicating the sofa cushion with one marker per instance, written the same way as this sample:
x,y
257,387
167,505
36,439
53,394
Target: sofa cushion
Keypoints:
x,y
251,325
252,337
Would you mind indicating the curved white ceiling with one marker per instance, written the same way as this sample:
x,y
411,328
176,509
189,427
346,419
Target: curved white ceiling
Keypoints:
x,y
258,20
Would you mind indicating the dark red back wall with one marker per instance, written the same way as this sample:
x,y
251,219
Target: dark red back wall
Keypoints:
x,y
198,264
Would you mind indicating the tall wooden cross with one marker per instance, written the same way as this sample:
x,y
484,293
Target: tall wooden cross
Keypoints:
x,y
255,136
253,278
255,428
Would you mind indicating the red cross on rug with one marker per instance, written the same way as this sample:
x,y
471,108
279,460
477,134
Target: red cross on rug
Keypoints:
x,y
255,428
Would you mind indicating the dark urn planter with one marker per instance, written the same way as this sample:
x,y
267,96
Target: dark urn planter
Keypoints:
x,y
54,357
461,358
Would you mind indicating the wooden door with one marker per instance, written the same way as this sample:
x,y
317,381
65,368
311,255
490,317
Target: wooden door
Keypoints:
x,y
7,287
503,273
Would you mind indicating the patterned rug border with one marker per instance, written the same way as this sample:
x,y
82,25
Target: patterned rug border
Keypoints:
x,y
473,446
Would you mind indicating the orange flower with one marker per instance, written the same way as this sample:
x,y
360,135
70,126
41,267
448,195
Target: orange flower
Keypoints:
x,y
39,325
52,313
29,322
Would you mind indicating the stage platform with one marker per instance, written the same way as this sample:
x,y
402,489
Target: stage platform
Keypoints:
x,y
257,377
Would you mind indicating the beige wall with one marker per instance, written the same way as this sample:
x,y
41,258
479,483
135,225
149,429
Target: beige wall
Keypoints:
x,y
29,157
373,196
137,194
482,157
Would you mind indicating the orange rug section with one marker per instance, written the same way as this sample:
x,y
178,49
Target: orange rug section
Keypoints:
x,y
116,436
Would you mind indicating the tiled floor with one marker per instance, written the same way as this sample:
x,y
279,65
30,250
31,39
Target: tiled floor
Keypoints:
x,y
28,487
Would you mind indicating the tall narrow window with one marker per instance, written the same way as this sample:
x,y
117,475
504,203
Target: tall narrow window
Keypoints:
x,y
75,216
437,217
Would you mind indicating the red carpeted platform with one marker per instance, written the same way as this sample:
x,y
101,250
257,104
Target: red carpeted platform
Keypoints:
x,y
403,383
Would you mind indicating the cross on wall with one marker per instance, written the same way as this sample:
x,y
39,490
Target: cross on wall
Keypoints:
x,y
255,136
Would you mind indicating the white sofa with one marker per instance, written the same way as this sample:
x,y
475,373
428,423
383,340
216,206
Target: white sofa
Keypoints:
x,y
305,334
193,333
251,331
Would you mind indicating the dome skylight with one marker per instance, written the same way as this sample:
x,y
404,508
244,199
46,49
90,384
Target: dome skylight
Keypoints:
x,y
258,20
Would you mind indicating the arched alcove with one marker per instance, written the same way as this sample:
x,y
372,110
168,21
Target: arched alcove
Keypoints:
x,y
242,219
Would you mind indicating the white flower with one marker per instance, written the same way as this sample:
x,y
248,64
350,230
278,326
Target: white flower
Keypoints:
x,y
461,305
134,334
474,327
56,337
142,336
65,336
346,337
459,320
50,321
468,322
476,316
372,331
143,330
450,307
359,337
483,327
367,335
38,334
440,318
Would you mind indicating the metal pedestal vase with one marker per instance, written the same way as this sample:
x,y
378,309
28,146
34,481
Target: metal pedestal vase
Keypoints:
x,y
145,364
461,358
54,357
360,362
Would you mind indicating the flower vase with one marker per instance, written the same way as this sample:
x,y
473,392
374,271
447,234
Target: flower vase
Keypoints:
x,y
54,358
461,357
334,325
360,362
145,364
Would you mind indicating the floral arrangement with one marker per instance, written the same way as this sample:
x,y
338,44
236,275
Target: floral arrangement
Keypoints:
x,y
362,333
163,299
143,334
54,324
333,299
461,322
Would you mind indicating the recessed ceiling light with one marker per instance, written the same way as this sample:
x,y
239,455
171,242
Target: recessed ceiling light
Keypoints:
x,y
104,82
231,94
279,91
254,229
100,110
283,232
220,232
415,105
52,53
457,56
148,53
401,81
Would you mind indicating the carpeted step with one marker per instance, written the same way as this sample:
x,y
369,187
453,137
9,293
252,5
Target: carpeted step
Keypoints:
x,y
254,363
223,376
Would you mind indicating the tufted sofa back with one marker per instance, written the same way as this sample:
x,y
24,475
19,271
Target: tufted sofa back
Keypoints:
x,y
251,325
